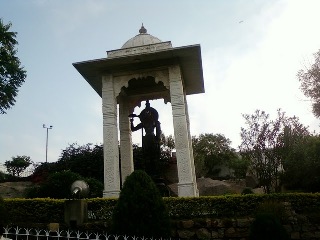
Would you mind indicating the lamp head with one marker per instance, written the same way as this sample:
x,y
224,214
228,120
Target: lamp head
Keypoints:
x,y
79,189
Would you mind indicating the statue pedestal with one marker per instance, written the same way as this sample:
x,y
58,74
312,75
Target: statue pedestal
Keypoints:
x,y
75,212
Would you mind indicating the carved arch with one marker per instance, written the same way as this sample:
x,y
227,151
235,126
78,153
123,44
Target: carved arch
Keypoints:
x,y
158,75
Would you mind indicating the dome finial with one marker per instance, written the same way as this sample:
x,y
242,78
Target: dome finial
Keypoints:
x,y
142,29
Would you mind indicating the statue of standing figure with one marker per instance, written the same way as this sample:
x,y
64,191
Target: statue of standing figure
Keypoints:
x,y
149,122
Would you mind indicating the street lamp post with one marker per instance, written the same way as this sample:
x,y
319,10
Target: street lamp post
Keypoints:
x,y
50,127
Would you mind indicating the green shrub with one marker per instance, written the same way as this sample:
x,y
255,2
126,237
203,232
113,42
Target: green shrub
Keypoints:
x,y
272,207
2,176
140,210
268,221
95,186
247,190
58,184
313,214
3,215
267,226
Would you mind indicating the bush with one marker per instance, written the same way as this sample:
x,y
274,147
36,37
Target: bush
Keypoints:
x,y
3,216
268,222
140,210
95,186
2,176
271,207
247,190
267,226
58,186
43,170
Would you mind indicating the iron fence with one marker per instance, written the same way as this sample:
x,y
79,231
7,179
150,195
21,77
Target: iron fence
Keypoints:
x,y
16,233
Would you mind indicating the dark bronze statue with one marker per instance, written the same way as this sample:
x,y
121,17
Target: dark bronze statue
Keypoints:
x,y
149,122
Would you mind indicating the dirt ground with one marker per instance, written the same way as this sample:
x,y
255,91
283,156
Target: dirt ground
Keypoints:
x,y
14,189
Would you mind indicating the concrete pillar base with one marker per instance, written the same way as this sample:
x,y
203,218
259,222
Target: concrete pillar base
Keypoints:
x,y
111,194
187,190
75,212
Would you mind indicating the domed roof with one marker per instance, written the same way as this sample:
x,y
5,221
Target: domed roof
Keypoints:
x,y
143,38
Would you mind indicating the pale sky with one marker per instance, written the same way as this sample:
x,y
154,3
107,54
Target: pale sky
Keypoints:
x,y
251,52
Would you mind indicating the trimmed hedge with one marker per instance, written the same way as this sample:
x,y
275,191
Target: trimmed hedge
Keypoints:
x,y
38,210
237,205
101,208
52,210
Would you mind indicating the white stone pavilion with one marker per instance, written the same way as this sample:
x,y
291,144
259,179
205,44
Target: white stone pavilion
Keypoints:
x,y
145,68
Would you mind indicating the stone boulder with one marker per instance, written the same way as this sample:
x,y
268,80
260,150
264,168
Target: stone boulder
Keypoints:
x,y
210,187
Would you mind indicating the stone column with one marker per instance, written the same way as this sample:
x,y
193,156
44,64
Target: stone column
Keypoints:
x,y
125,139
110,139
190,146
187,186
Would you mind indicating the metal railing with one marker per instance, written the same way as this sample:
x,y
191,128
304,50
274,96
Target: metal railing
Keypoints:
x,y
17,233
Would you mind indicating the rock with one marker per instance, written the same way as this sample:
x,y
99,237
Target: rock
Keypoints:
x,y
258,190
203,233
186,234
208,223
295,235
53,227
200,222
307,235
243,222
215,234
230,232
209,187
187,224
288,228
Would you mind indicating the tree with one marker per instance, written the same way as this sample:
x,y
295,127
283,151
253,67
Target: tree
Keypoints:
x,y
167,142
58,185
42,171
310,83
211,151
140,210
239,166
137,157
302,165
265,143
17,165
167,145
86,160
12,75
